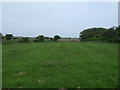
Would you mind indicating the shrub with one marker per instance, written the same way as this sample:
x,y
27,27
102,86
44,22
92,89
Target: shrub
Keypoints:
x,y
36,40
15,37
8,36
40,38
51,39
47,38
24,39
56,37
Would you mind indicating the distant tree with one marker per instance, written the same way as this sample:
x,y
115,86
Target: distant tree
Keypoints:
x,y
51,38
118,31
8,36
36,40
111,35
15,37
39,38
88,34
56,37
47,38
100,34
24,39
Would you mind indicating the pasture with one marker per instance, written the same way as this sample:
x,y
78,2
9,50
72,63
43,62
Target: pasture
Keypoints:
x,y
60,64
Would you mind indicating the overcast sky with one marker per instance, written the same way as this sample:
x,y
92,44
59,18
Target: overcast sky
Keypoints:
x,y
65,19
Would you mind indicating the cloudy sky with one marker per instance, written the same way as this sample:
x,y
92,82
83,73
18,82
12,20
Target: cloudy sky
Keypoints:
x,y
66,19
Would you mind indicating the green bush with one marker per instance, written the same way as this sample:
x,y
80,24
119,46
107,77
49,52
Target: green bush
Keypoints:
x,y
56,37
40,38
36,40
8,36
15,37
110,35
24,39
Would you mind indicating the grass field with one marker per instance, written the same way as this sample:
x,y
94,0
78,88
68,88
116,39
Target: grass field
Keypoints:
x,y
60,64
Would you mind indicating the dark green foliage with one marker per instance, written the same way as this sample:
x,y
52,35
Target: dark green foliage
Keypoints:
x,y
51,39
100,34
47,38
8,36
110,35
36,40
15,37
118,32
91,34
40,38
56,37
24,39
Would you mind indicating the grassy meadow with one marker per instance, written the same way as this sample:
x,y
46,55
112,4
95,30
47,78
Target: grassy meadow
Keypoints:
x,y
60,64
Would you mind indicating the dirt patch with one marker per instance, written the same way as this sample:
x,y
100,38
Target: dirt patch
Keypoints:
x,y
41,81
20,73
20,87
14,51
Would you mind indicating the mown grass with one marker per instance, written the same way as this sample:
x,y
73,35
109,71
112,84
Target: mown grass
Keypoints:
x,y
60,64
0,64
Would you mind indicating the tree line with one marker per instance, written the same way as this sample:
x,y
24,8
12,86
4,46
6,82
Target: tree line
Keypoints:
x,y
110,35
39,38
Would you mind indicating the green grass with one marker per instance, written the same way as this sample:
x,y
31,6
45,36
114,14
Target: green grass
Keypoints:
x,y
0,64
60,64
